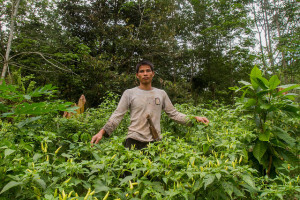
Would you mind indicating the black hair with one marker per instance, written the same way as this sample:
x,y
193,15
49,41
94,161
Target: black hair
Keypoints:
x,y
144,62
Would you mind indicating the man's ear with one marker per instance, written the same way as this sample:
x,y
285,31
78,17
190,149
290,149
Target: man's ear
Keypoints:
x,y
136,75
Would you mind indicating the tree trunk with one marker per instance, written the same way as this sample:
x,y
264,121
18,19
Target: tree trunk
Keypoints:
x,y
11,34
284,64
267,30
260,38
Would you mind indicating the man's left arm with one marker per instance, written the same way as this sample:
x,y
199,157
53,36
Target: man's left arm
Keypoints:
x,y
178,116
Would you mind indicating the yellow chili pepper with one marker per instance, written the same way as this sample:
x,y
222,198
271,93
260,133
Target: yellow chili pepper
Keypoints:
x,y
241,158
70,194
106,196
113,156
87,194
147,173
67,181
57,150
64,196
55,193
130,185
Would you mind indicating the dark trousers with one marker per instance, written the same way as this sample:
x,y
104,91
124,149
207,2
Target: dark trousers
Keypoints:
x,y
137,144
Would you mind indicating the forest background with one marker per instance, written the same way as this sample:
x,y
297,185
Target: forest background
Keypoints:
x,y
203,51
199,48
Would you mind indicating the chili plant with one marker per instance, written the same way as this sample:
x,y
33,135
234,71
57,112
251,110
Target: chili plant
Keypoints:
x,y
265,100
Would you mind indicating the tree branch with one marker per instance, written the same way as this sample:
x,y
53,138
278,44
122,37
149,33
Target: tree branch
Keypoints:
x,y
47,60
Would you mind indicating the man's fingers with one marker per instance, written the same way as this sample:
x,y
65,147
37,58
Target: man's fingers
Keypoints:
x,y
98,139
203,120
93,139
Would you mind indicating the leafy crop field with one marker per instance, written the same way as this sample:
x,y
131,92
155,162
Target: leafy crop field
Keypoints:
x,y
51,158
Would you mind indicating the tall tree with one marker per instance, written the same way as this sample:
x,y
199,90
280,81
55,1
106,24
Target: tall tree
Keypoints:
x,y
277,24
14,11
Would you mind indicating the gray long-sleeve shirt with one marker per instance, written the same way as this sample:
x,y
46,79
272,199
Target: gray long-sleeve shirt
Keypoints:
x,y
141,103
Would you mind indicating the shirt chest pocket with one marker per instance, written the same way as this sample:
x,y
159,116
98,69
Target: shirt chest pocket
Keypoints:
x,y
157,103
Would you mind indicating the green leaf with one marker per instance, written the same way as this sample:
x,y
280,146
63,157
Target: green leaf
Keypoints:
x,y
291,96
249,180
245,82
40,182
265,136
274,82
126,179
237,192
228,187
208,180
249,102
218,175
287,88
254,83
37,156
288,156
284,136
9,185
234,88
205,148
260,149
96,156
279,195
265,106
27,121
255,72
291,109
66,155
101,188
263,82
7,152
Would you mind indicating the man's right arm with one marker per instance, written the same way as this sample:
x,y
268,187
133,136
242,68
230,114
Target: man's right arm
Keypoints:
x,y
114,119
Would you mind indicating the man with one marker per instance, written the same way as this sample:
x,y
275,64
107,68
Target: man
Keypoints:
x,y
142,101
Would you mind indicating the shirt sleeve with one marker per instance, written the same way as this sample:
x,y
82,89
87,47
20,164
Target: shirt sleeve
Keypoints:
x,y
172,112
118,114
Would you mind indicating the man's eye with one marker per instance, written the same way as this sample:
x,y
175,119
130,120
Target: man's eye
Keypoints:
x,y
148,70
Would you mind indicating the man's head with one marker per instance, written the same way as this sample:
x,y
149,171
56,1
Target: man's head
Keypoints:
x,y
144,62
144,72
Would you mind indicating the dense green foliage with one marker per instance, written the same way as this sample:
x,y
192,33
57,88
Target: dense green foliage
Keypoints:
x,y
199,48
51,158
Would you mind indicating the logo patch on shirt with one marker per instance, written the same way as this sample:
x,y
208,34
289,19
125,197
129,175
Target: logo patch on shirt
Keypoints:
x,y
157,101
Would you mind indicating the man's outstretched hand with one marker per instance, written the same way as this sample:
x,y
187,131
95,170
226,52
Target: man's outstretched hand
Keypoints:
x,y
96,138
202,119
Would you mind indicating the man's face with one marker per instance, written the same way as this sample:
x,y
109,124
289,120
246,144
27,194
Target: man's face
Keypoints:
x,y
145,74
